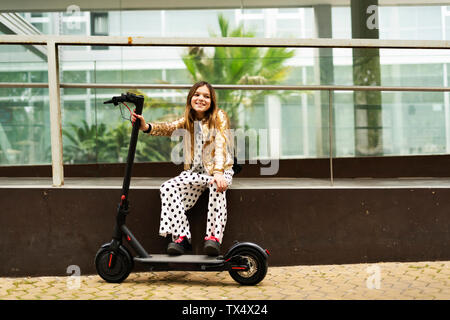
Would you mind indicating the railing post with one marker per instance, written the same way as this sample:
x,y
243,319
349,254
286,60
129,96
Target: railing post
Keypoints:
x,y
55,114
330,132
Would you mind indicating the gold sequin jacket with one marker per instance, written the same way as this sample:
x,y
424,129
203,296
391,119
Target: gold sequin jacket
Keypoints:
x,y
217,155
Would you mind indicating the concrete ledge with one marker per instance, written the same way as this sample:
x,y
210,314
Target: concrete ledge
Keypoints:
x,y
301,221
238,183
316,168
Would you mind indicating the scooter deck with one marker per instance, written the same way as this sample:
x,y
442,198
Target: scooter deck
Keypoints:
x,y
185,258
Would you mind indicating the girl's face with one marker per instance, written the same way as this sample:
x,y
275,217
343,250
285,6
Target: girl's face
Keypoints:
x,y
201,101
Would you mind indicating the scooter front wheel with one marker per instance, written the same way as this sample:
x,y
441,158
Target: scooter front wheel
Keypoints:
x,y
257,267
112,266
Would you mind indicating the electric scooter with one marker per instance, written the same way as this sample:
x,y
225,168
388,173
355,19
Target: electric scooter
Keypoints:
x,y
246,262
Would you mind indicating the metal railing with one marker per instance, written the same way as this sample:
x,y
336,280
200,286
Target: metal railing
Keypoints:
x,y
54,85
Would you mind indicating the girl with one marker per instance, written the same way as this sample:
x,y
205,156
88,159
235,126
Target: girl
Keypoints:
x,y
208,163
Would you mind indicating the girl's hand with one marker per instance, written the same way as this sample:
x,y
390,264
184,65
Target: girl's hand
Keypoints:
x,y
142,125
219,179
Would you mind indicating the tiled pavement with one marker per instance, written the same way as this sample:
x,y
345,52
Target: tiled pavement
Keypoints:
x,y
405,281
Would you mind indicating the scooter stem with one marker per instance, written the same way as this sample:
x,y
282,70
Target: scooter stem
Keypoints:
x,y
122,210
138,101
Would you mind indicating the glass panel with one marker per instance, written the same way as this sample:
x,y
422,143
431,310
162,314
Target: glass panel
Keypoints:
x,y
254,27
24,126
410,22
288,10
394,22
253,11
97,133
194,23
22,64
307,66
74,27
24,116
341,22
297,22
285,124
290,124
136,23
304,129
447,28
101,24
397,67
365,128
409,123
184,65
267,125
289,28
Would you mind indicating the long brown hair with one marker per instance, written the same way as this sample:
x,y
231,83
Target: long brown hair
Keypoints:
x,y
189,116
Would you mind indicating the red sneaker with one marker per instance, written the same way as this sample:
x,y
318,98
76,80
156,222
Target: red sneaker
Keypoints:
x,y
212,246
179,246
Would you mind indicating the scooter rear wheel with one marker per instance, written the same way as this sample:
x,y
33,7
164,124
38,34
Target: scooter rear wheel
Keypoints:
x,y
113,267
257,264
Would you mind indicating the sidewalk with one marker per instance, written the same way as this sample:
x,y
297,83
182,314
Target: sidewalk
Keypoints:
x,y
406,281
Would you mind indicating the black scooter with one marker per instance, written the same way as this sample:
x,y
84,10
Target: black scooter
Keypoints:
x,y
245,261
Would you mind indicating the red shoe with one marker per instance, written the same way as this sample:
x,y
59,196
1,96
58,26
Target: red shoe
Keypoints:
x,y
179,246
212,246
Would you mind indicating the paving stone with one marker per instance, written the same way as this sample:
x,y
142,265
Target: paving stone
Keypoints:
x,y
415,280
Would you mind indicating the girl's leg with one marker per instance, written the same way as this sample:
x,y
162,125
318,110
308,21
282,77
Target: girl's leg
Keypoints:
x,y
178,195
194,184
217,210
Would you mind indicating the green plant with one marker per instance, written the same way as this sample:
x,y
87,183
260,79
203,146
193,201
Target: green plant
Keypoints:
x,y
85,142
116,144
91,144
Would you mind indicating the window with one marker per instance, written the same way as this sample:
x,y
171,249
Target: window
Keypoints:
x,y
99,27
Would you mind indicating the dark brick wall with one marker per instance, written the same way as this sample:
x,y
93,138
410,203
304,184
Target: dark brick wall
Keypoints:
x,y
43,231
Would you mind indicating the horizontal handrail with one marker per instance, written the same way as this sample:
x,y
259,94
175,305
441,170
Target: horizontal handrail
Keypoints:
x,y
223,87
23,85
222,42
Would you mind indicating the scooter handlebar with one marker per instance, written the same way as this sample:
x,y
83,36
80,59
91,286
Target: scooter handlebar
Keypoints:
x,y
111,101
126,97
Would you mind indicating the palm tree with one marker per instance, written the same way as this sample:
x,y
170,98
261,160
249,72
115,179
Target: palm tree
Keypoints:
x,y
237,65
86,141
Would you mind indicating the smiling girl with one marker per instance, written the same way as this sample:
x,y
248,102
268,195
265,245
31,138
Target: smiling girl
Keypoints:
x,y
208,163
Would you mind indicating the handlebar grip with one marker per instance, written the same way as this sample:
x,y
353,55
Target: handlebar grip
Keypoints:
x,y
128,97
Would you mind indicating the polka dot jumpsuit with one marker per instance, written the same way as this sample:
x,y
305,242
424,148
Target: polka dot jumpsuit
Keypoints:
x,y
180,193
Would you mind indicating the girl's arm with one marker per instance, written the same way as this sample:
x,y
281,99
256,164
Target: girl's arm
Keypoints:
x,y
159,128
166,128
220,155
